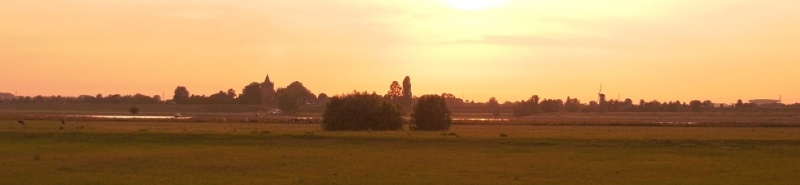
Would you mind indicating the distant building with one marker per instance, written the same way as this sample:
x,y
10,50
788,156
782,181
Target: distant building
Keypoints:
x,y
267,91
762,102
6,96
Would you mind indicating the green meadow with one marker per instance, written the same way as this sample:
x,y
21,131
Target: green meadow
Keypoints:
x,y
132,152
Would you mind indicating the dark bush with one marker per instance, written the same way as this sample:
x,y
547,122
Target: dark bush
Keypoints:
x,y
361,111
134,110
431,113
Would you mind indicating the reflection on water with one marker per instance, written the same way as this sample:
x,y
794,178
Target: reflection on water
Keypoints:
x,y
482,119
130,117
676,123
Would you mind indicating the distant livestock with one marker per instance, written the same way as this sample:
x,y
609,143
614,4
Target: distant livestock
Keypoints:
x,y
21,122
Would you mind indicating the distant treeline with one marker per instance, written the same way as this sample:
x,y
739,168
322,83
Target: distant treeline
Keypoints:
x,y
534,106
295,96
99,98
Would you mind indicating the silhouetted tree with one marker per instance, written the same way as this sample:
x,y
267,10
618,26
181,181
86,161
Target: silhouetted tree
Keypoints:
x,y
322,98
431,113
251,94
493,103
451,100
549,105
395,92
134,110
231,94
302,93
533,104
220,98
520,109
628,102
181,95
708,105
295,95
407,94
572,105
696,105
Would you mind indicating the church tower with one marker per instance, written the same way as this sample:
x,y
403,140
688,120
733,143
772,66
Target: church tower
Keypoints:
x,y
267,91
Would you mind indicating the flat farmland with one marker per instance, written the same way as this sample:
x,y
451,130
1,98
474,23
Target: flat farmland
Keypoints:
x,y
98,152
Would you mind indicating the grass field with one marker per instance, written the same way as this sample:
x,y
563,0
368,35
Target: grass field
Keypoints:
x,y
98,152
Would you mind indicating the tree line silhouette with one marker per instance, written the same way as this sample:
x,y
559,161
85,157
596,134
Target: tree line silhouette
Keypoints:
x,y
295,96
98,99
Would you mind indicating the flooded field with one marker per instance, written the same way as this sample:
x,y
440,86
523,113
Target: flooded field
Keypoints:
x,y
128,117
482,119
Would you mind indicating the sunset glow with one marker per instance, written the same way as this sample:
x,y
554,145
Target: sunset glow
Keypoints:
x,y
473,5
721,50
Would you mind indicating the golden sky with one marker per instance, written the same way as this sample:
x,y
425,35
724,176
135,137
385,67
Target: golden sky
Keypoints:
x,y
667,50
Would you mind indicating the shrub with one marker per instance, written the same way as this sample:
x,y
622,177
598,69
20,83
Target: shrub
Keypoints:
x,y
361,111
134,110
431,113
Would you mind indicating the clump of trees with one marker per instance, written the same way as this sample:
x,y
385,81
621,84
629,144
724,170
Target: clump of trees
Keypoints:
x,y
251,94
361,111
400,95
533,106
293,96
431,113
526,108
289,99
134,110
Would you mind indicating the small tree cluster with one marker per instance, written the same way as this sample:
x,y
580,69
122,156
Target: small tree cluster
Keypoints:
x,y
572,105
526,108
134,110
431,113
400,95
293,96
361,111
551,105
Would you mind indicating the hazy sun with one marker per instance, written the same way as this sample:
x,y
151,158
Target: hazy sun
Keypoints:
x,y
473,5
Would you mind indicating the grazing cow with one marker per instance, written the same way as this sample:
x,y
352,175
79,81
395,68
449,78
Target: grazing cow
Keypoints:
x,y
21,122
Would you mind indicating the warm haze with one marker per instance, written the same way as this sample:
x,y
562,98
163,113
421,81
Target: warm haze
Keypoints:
x,y
667,50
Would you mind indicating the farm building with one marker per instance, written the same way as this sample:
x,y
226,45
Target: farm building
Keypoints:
x,y
762,102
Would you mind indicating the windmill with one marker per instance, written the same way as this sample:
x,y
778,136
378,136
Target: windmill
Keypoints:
x,y
601,98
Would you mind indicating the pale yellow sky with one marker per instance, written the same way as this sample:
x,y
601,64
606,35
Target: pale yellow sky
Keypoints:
x,y
667,50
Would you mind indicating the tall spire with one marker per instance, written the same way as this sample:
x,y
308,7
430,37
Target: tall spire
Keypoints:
x,y
266,80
